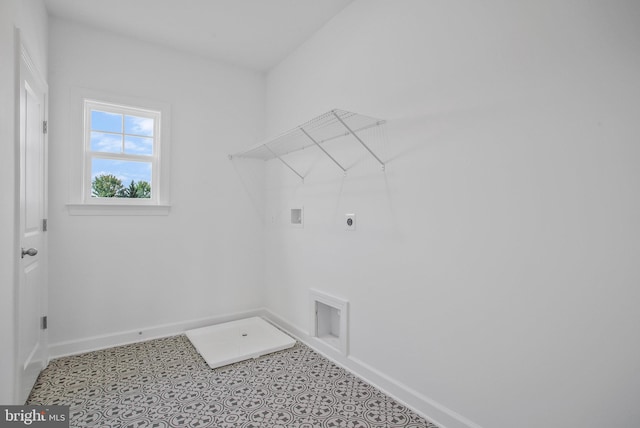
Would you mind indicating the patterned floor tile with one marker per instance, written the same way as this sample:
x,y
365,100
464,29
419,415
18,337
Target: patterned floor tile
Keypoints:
x,y
165,383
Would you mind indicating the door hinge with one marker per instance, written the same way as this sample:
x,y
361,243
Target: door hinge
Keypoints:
x,y
43,322
44,225
45,126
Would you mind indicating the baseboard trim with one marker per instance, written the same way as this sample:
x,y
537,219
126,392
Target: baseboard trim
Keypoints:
x,y
95,343
419,403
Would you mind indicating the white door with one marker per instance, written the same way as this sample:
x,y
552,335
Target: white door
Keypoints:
x,y
32,293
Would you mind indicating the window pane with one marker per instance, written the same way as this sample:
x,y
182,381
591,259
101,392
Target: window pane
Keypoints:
x,y
109,143
104,121
138,126
121,179
138,145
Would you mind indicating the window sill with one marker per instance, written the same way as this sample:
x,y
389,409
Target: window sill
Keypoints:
x,y
117,209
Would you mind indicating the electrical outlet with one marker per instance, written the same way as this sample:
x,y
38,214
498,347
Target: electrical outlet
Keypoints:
x,y
350,222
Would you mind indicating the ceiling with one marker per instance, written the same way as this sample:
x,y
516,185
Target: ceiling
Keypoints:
x,y
252,33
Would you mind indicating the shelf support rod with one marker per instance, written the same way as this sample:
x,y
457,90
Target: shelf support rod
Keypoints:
x,y
322,148
358,138
286,164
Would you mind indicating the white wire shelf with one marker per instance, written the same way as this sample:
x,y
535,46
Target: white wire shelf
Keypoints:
x,y
319,130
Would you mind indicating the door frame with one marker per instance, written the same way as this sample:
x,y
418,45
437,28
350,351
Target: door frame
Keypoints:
x,y
26,69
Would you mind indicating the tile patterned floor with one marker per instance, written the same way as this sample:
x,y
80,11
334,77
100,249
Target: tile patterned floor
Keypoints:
x,y
166,383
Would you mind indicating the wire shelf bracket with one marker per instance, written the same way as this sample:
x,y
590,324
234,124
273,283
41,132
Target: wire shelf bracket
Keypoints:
x,y
323,150
358,138
285,163
314,133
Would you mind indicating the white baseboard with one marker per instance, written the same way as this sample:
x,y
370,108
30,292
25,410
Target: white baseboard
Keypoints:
x,y
424,406
94,343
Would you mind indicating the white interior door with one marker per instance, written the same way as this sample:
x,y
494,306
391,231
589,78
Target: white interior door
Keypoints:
x,y
32,294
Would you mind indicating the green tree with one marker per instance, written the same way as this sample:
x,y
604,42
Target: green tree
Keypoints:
x,y
110,186
106,186
129,192
141,189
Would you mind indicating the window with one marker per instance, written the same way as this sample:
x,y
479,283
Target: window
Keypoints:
x,y
122,164
122,145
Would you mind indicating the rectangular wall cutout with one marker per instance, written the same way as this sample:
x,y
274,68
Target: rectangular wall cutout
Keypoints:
x,y
297,219
329,316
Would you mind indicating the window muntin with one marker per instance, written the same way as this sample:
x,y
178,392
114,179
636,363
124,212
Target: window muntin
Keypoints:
x,y
122,152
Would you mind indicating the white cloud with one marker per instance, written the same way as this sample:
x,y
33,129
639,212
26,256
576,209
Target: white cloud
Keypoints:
x,y
101,142
139,125
138,145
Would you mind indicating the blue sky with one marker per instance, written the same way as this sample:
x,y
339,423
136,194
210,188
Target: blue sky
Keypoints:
x,y
124,170
118,133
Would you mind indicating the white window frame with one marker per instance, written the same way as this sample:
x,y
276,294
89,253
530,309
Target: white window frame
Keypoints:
x,y
81,202
154,159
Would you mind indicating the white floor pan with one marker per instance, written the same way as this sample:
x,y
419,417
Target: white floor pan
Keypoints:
x,y
234,341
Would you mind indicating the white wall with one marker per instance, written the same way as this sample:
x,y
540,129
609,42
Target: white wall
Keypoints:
x,y
494,270
31,18
111,275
